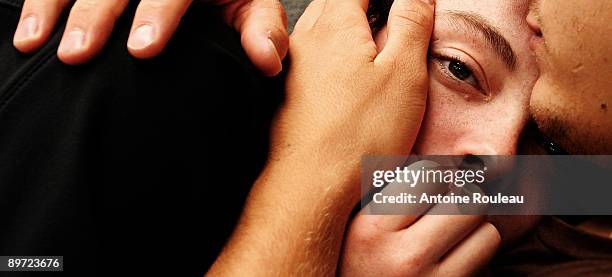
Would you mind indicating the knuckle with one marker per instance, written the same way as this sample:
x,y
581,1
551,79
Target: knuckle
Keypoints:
x,y
153,10
414,18
409,264
85,10
117,9
83,13
85,7
364,237
35,6
156,4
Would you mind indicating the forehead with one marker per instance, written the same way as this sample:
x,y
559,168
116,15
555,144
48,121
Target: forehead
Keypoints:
x,y
507,17
503,14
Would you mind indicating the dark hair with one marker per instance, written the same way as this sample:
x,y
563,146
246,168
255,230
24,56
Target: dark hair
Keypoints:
x,y
378,12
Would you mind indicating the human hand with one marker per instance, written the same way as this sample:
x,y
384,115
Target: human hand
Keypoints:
x,y
261,23
344,99
432,245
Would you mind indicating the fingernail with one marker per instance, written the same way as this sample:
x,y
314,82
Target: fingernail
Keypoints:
x,y
142,37
73,41
272,45
27,28
276,54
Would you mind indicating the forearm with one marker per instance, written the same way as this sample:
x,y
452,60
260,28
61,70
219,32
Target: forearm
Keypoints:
x,y
293,223
342,100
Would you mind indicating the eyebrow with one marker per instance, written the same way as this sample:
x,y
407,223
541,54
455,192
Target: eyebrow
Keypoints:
x,y
491,35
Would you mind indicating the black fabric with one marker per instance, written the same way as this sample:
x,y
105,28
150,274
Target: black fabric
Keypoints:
x,y
123,165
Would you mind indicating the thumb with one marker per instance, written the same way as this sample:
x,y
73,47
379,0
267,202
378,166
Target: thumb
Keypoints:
x,y
263,28
409,26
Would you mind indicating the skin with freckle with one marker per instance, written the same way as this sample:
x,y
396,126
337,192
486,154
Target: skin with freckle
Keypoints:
x,y
460,120
571,98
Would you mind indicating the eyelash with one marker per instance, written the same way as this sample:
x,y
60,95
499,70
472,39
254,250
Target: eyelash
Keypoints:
x,y
440,60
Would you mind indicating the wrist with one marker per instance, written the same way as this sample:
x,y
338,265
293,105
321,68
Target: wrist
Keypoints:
x,y
313,179
293,206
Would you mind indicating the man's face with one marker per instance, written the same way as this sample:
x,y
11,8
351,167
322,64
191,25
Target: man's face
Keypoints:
x,y
572,100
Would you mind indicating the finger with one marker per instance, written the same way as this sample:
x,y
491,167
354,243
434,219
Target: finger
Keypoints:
x,y
398,217
473,253
409,26
346,15
387,223
38,18
154,23
309,17
441,232
262,25
337,8
88,28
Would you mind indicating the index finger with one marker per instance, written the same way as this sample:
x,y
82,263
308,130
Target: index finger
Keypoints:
x,y
441,232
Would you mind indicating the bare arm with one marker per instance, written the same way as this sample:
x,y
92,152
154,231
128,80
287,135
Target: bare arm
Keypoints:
x,y
343,100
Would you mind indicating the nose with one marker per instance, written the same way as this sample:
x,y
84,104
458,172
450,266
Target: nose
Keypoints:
x,y
489,144
480,147
492,155
497,136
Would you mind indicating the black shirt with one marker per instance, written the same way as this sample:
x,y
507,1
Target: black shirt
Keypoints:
x,y
123,164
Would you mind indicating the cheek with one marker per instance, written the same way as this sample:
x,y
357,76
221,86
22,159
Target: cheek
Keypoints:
x,y
451,122
455,126
586,126
442,123
577,43
574,89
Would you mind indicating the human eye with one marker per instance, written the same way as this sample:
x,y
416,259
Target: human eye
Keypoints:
x,y
460,74
550,146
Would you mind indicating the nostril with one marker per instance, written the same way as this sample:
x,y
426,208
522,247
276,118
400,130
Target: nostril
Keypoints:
x,y
472,162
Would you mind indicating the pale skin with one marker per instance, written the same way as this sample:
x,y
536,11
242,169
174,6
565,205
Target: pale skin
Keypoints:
x,y
466,116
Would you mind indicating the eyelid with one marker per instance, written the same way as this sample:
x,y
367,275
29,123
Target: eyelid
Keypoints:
x,y
442,62
466,59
